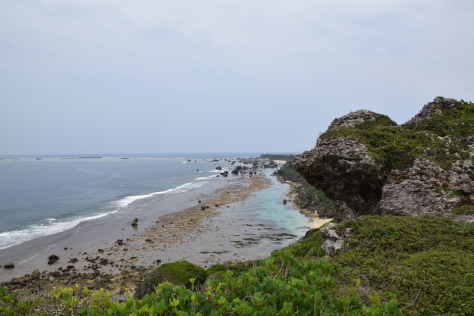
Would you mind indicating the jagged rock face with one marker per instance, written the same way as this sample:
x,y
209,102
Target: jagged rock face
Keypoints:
x,y
420,193
333,241
376,167
433,108
342,168
354,118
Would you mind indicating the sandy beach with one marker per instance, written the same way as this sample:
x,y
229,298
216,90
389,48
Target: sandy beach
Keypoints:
x,y
204,226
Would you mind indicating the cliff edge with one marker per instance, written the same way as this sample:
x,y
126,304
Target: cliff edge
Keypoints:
x,y
372,166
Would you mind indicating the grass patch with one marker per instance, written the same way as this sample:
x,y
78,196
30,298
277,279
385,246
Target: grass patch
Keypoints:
x,y
464,210
428,263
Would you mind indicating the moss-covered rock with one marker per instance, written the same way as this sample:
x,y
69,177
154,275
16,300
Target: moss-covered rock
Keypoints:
x,y
216,268
177,273
374,166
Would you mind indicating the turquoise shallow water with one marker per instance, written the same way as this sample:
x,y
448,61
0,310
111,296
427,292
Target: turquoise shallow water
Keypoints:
x,y
268,205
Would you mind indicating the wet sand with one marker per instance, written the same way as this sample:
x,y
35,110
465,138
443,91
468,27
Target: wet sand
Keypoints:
x,y
170,228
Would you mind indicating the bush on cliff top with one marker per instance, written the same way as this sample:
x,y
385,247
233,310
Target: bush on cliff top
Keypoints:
x,y
440,138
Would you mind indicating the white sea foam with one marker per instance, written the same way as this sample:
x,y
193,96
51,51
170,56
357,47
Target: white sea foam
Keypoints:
x,y
124,202
205,178
9,239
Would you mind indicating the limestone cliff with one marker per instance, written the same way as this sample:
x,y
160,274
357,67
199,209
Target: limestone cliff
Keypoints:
x,y
371,165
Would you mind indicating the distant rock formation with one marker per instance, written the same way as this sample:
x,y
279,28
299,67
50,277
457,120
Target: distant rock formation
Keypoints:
x,y
371,165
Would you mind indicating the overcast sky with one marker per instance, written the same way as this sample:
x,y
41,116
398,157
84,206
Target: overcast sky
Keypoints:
x,y
152,76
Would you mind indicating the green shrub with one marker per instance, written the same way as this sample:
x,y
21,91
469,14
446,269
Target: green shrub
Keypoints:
x,y
464,210
428,263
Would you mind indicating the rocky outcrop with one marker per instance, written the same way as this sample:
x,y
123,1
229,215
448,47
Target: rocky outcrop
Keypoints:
x,y
333,240
428,189
373,166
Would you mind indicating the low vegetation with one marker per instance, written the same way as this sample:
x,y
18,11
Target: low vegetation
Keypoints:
x,y
283,284
427,263
393,266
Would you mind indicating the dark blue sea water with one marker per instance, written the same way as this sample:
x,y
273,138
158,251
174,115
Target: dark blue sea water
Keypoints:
x,y
43,195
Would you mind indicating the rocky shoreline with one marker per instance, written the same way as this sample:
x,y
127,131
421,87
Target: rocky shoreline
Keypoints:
x,y
204,230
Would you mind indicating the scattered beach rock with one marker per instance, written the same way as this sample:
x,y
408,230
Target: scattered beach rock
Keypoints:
x,y
135,222
52,259
9,265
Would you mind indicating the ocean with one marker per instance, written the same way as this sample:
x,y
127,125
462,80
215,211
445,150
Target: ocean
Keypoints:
x,y
44,195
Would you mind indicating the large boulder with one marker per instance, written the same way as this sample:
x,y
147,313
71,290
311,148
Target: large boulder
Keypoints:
x,y
370,165
177,273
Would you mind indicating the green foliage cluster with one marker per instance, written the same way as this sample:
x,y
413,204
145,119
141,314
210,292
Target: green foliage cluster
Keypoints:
x,y
285,157
178,273
428,263
464,210
280,285
465,229
440,138
317,195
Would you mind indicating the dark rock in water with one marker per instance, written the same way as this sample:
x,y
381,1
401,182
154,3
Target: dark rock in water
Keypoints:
x,y
372,166
135,222
52,259
285,201
218,168
119,242
177,273
9,265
